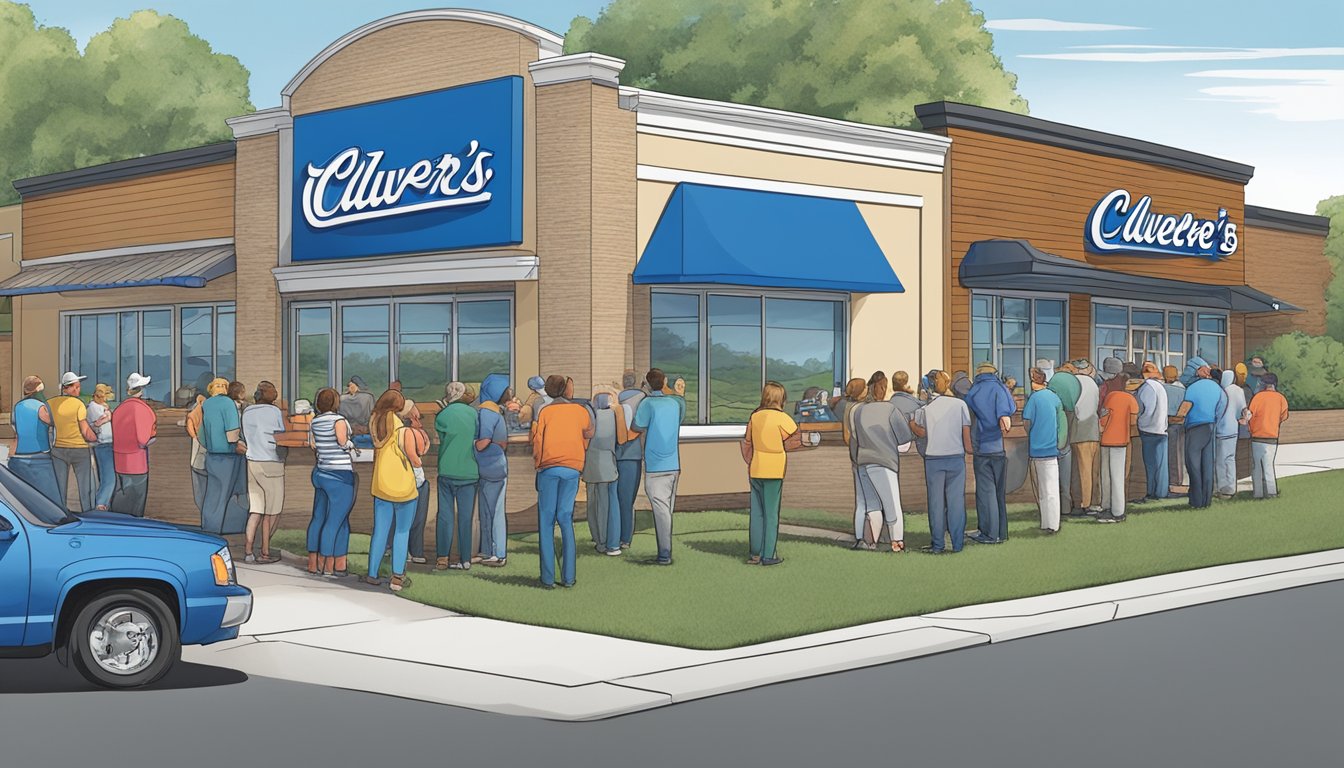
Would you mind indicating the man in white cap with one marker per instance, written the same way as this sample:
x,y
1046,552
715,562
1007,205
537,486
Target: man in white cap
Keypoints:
x,y
70,451
134,428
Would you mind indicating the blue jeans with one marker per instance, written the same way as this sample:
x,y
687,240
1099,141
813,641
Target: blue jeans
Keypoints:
x,y
417,545
628,472
225,504
107,474
945,481
556,489
991,496
457,500
490,512
333,498
396,517
37,470
1155,464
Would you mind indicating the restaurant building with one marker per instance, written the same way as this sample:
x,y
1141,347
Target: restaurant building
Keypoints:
x,y
443,195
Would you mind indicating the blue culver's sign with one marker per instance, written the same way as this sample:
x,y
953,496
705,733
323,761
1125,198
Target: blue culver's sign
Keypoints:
x,y
431,172
1119,224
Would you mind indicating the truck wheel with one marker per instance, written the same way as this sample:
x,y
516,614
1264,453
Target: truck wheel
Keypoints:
x,y
124,639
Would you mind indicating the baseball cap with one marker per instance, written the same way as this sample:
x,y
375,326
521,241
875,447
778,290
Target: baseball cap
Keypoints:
x,y
70,377
536,383
137,381
1111,366
358,381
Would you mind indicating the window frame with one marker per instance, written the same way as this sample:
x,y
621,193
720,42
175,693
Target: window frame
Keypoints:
x,y
174,338
996,346
1189,330
335,367
703,292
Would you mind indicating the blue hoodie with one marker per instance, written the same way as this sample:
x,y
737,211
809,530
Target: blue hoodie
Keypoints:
x,y
989,400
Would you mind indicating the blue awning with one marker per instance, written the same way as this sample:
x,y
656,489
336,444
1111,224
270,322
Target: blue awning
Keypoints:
x,y
722,235
183,268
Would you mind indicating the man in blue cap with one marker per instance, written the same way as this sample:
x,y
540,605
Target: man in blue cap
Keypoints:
x,y
491,440
536,400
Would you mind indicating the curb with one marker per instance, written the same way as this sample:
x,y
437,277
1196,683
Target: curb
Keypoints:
x,y
669,675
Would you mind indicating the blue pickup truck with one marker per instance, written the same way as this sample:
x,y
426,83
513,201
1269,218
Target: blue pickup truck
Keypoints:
x,y
117,596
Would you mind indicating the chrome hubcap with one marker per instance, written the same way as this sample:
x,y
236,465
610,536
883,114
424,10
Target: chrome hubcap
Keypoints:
x,y
124,641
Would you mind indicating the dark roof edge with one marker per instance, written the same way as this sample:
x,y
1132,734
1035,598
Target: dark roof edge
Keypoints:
x,y
1287,221
947,114
192,157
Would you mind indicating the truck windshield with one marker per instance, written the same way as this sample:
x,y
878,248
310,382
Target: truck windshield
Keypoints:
x,y
27,501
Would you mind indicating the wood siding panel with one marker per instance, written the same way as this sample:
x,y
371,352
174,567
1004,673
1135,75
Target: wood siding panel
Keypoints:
x,y
1290,266
190,204
1012,188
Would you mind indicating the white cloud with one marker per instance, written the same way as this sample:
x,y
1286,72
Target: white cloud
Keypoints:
x,y
1291,95
1052,25
1181,53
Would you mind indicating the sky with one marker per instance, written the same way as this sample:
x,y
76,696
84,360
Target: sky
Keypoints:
x,y
1252,81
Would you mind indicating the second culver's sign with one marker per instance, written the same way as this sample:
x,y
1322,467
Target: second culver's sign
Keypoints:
x,y
427,173
1120,224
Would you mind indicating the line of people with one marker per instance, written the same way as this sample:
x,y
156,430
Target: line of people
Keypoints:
x,y
1078,425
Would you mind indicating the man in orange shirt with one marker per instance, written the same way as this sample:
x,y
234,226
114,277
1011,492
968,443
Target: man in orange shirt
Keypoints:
x,y
1119,412
560,435
1267,410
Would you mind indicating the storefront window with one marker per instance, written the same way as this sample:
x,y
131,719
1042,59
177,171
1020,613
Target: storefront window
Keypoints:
x,y
423,342
797,341
674,343
1162,335
109,346
1013,332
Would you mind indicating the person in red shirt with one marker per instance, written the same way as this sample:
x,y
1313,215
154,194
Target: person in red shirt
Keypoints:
x,y
1119,413
134,427
1267,410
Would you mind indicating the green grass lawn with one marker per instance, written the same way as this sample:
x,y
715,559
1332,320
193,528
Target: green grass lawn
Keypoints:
x,y
711,599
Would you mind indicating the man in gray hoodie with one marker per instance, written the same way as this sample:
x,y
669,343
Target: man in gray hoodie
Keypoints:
x,y
879,433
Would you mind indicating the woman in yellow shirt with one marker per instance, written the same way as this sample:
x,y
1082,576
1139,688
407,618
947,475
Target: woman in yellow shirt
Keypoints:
x,y
770,432
395,459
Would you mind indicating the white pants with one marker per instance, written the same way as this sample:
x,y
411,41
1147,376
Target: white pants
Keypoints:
x,y
1225,465
1113,479
886,484
1263,481
1046,474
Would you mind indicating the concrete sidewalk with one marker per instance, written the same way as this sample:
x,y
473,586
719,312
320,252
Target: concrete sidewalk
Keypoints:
x,y
335,634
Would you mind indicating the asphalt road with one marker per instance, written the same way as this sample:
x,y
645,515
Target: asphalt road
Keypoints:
x,y
1250,682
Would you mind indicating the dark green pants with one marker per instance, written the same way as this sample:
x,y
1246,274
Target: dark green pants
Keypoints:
x,y
764,528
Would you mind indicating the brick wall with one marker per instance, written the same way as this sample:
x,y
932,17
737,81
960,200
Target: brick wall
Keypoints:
x,y
259,326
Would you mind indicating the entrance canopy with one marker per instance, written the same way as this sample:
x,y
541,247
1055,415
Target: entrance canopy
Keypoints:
x,y
184,268
1016,265
729,236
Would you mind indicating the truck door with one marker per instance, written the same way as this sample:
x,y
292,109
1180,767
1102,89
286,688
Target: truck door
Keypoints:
x,y
14,575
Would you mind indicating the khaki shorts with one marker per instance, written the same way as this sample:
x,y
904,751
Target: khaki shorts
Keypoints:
x,y
266,487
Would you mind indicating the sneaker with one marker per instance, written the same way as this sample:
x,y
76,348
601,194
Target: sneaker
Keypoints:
x,y
1110,518
771,560
613,552
864,546
1093,511
981,539
929,550
249,558
459,566
492,562
419,560
663,561
625,545
1049,531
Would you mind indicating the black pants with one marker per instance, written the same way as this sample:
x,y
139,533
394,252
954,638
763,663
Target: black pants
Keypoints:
x,y
130,494
991,502
1199,463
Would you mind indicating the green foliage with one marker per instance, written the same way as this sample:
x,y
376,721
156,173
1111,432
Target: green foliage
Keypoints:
x,y
1333,207
1310,370
144,85
870,61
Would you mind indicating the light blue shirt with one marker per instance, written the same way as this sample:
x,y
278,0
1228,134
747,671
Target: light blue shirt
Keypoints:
x,y
34,435
1044,414
1207,402
659,418
493,464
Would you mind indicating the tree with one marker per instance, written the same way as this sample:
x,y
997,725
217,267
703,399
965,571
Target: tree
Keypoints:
x,y
1310,369
1333,207
869,61
144,85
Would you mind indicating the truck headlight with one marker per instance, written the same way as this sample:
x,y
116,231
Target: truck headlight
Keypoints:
x,y
222,564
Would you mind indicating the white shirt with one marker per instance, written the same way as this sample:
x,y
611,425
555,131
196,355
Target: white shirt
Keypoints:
x,y
943,419
1152,398
260,423
97,412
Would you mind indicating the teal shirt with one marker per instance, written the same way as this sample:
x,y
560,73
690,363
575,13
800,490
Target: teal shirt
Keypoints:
x,y
1066,386
456,426
659,417
219,416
